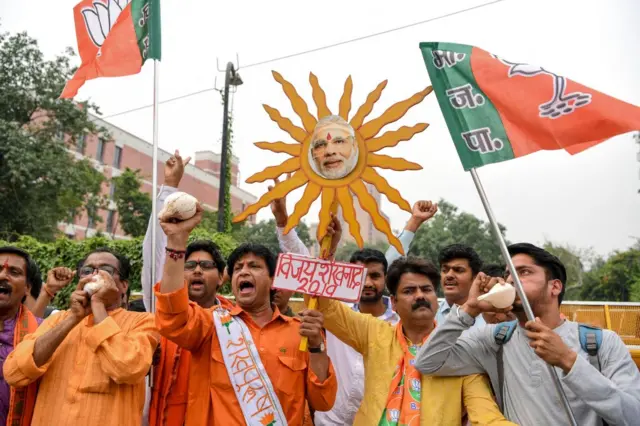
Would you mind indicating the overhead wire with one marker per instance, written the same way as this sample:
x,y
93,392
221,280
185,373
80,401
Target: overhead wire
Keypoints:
x,y
317,49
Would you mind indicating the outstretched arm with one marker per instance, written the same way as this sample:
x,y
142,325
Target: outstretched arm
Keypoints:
x,y
173,172
422,211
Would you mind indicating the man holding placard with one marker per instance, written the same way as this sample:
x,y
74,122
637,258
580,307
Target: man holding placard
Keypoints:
x,y
249,353
395,391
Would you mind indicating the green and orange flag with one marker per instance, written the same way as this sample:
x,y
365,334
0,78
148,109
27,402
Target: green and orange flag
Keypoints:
x,y
497,110
115,38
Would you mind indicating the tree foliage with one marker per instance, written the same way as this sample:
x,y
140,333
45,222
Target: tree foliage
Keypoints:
x,y
617,279
344,252
41,183
264,233
134,206
450,226
66,252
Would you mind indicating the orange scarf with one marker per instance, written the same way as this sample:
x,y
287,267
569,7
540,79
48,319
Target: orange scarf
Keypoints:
x,y
22,401
403,402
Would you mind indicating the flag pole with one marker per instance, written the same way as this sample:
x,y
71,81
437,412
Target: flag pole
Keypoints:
x,y
154,196
518,284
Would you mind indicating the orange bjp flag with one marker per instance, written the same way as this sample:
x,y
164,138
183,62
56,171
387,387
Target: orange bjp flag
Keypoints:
x,y
115,38
497,110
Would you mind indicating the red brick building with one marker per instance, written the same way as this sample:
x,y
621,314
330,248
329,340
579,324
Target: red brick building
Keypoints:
x,y
111,157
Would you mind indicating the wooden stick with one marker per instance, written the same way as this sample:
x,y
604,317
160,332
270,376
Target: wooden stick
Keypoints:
x,y
325,253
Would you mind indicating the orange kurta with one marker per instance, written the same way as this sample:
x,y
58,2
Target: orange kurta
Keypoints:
x,y
171,391
192,328
97,374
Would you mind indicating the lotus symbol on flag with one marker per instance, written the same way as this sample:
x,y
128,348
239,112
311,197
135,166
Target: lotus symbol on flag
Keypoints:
x,y
563,103
100,18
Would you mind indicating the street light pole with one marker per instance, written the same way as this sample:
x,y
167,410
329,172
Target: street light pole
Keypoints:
x,y
231,78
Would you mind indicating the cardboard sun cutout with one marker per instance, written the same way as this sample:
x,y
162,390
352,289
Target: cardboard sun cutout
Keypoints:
x,y
334,158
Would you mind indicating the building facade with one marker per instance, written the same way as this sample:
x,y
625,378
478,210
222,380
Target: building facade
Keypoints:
x,y
122,150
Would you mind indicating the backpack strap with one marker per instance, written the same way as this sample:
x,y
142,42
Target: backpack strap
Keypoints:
x,y
590,341
501,335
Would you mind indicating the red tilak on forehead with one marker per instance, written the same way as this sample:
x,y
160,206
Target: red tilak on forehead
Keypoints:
x,y
328,136
6,264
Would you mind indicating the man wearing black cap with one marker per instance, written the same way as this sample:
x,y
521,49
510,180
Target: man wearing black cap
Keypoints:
x,y
602,386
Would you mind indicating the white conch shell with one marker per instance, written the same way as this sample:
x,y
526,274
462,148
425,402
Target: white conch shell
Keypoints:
x,y
500,296
94,285
178,205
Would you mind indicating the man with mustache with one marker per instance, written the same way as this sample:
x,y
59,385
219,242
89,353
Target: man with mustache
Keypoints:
x,y
459,266
347,362
203,269
395,391
90,360
20,279
608,391
247,356
334,149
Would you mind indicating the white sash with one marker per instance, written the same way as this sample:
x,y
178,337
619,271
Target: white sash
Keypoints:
x,y
254,391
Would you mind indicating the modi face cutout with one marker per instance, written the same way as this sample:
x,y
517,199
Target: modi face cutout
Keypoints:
x,y
333,151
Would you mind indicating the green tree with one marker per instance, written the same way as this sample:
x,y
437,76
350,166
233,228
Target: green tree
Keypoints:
x,y
450,226
134,206
41,183
617,279
344,251
264,233
574,261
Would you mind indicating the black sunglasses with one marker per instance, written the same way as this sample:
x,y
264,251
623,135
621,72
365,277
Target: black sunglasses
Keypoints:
x,y
205,265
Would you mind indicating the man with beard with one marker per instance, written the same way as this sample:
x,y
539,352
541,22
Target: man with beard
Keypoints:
x,y
334,149
459,265
395,391
247,356
601,387
90,360
203,268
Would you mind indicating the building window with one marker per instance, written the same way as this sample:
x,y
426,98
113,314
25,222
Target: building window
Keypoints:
x,y
112,191
117,157
81,143
60,133
110,221
90,223
100,151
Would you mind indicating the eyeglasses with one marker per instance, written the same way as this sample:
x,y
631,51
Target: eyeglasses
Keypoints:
x,y
205,265
85,271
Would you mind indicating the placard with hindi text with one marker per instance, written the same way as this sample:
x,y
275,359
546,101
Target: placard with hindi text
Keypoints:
x,y
318,277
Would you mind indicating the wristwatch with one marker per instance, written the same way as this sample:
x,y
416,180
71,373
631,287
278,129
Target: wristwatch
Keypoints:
x,y
317,350
464,317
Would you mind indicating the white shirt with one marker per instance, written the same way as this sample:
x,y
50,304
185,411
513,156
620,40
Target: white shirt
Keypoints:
x,y
147,250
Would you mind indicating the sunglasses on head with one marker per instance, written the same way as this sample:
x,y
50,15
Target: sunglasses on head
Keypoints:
x,y
205,265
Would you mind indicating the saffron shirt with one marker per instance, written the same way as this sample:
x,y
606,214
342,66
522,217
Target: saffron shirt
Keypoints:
x,y
442,400
97,374
192,328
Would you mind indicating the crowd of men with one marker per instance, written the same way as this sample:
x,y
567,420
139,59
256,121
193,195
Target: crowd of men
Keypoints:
x,y
398,357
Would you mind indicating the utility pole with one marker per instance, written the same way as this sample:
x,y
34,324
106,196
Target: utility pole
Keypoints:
x,y
231,78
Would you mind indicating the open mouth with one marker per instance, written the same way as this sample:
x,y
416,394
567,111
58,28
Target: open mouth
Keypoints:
x,y
246,287
5,290
450,285
196,284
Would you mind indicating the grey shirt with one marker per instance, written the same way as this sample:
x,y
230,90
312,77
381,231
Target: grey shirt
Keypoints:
x,y
530,394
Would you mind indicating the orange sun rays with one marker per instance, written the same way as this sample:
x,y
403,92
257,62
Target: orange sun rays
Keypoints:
x,y
344,190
